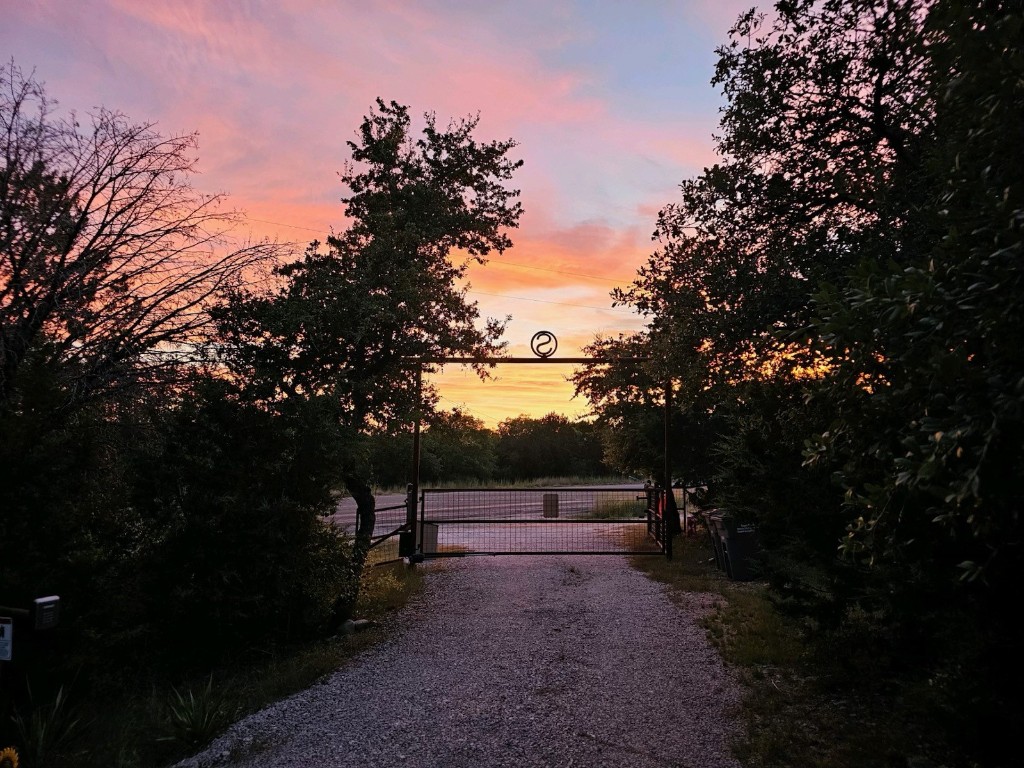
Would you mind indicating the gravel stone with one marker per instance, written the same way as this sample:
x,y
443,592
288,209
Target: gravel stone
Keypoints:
x,y
516,661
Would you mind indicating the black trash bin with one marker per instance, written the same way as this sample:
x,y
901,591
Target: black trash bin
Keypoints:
x,y
716,528
741,549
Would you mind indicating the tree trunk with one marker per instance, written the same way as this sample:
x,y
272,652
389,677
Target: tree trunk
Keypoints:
x,y
366,516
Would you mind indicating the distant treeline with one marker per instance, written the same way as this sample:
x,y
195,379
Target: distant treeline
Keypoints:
x,y
458,447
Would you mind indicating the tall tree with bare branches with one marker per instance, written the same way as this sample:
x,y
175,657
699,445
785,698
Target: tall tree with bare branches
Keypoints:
x,y
109,258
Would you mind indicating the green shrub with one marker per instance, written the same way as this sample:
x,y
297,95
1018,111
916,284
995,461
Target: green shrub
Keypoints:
x,y
192,720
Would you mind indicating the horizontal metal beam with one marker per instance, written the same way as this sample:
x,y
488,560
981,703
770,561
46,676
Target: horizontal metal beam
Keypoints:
x,y
640,520
525,360
597,489
541,552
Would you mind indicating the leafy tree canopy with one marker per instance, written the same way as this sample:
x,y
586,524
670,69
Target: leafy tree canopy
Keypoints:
x,y
843,290
347,318
350,314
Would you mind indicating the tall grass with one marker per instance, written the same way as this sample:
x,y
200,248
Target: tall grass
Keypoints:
x,y
614,509
48,731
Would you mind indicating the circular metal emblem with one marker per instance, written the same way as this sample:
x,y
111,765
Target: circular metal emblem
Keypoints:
x,y
544,344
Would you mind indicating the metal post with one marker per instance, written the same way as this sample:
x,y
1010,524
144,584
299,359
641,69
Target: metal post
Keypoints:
x,y
686,521
668,431
423,519
415,490
670,511
407,540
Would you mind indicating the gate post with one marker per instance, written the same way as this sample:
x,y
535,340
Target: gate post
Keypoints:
x,y
408,539
670,509
671,513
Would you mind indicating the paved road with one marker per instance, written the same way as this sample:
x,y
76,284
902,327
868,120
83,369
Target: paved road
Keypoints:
x,y
511,503
345,514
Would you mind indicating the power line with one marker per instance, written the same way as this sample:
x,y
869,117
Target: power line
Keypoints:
x,y
545,301
282,224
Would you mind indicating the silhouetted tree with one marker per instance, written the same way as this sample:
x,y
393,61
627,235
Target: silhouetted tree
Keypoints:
x,y
350,315
841,288
457,446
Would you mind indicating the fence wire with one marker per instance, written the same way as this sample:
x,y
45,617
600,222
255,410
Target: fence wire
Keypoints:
x,y
598,520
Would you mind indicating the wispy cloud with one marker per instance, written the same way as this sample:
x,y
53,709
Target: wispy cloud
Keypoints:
x,y
610,106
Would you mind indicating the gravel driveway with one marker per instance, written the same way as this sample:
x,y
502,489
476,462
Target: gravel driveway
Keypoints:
x,y
513,661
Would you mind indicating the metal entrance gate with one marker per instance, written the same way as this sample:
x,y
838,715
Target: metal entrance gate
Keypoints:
x,y
596,520
570,521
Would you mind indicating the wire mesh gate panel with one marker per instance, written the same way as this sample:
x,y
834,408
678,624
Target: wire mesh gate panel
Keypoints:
x,y
594,521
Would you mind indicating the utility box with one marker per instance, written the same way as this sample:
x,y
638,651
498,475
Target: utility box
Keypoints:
x,y
742,551
550,505
428,538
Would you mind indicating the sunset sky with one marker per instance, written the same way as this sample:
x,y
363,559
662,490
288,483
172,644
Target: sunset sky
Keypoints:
x,y
610,102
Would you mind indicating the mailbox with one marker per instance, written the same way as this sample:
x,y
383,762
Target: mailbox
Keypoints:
x,y
6,637
45,612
